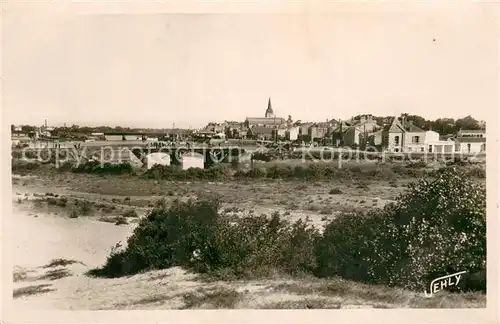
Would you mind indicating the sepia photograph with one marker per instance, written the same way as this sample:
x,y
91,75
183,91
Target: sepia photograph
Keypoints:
x,y
302,158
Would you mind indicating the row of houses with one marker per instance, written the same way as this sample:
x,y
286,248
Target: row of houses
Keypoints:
x,y
394,135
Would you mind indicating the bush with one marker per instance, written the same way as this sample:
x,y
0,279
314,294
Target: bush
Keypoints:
x,y
81,208
121,220
95,167
335,191
23,167
166,237
193,234
436,228
266,157
174,172
130,213
61,202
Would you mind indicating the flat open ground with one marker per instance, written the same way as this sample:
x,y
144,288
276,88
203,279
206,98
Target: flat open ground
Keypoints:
x,y
44,233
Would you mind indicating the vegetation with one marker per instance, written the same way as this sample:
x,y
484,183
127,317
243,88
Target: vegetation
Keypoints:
x,y
172,172
22,167
80,208
32,290
435,228
105,168
130,213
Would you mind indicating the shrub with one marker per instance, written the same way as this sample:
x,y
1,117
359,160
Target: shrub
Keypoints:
x,y
195,235
335,191
259,156
130,213
121,220
66,166
174,172
95,167
23,167
73,213
257,173
108,209
80,208
478,172
61,202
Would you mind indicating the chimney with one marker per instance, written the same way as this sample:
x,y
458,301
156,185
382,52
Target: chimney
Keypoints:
x,y
369,118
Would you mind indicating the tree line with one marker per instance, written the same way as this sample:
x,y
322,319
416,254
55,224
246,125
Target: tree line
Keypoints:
x,y
441,125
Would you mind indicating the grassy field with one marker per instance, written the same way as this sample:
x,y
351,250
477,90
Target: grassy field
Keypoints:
x,y
88,214
293,199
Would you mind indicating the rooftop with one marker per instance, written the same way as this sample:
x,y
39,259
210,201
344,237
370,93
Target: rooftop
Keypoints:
x,y
472,131
470,140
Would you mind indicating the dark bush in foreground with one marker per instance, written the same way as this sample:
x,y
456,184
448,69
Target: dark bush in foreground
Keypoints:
x,y
436,228
96,167
193,234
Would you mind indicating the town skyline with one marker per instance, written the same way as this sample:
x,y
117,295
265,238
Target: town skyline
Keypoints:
x,y
154,70
176,125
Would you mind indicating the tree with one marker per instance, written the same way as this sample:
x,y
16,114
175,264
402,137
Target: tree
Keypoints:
x,y
420,122
444,126
467,123
28,128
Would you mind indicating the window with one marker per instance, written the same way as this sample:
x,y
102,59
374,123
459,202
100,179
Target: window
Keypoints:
x,y
457,147
421,149
415,139
396,140
430,148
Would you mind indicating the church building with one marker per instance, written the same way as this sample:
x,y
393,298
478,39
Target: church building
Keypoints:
x,y
269,119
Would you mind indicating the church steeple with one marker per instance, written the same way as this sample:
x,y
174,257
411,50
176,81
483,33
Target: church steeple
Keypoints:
x,y
269,110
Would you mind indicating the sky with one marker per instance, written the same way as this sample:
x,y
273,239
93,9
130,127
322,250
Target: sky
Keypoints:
x,y
153,70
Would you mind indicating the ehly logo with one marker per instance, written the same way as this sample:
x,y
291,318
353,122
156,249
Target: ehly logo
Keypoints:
x,y
443,282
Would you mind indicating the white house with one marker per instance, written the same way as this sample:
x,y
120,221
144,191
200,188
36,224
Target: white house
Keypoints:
x,y
292,134
157,158
470,141
411,138
470,145
404,137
